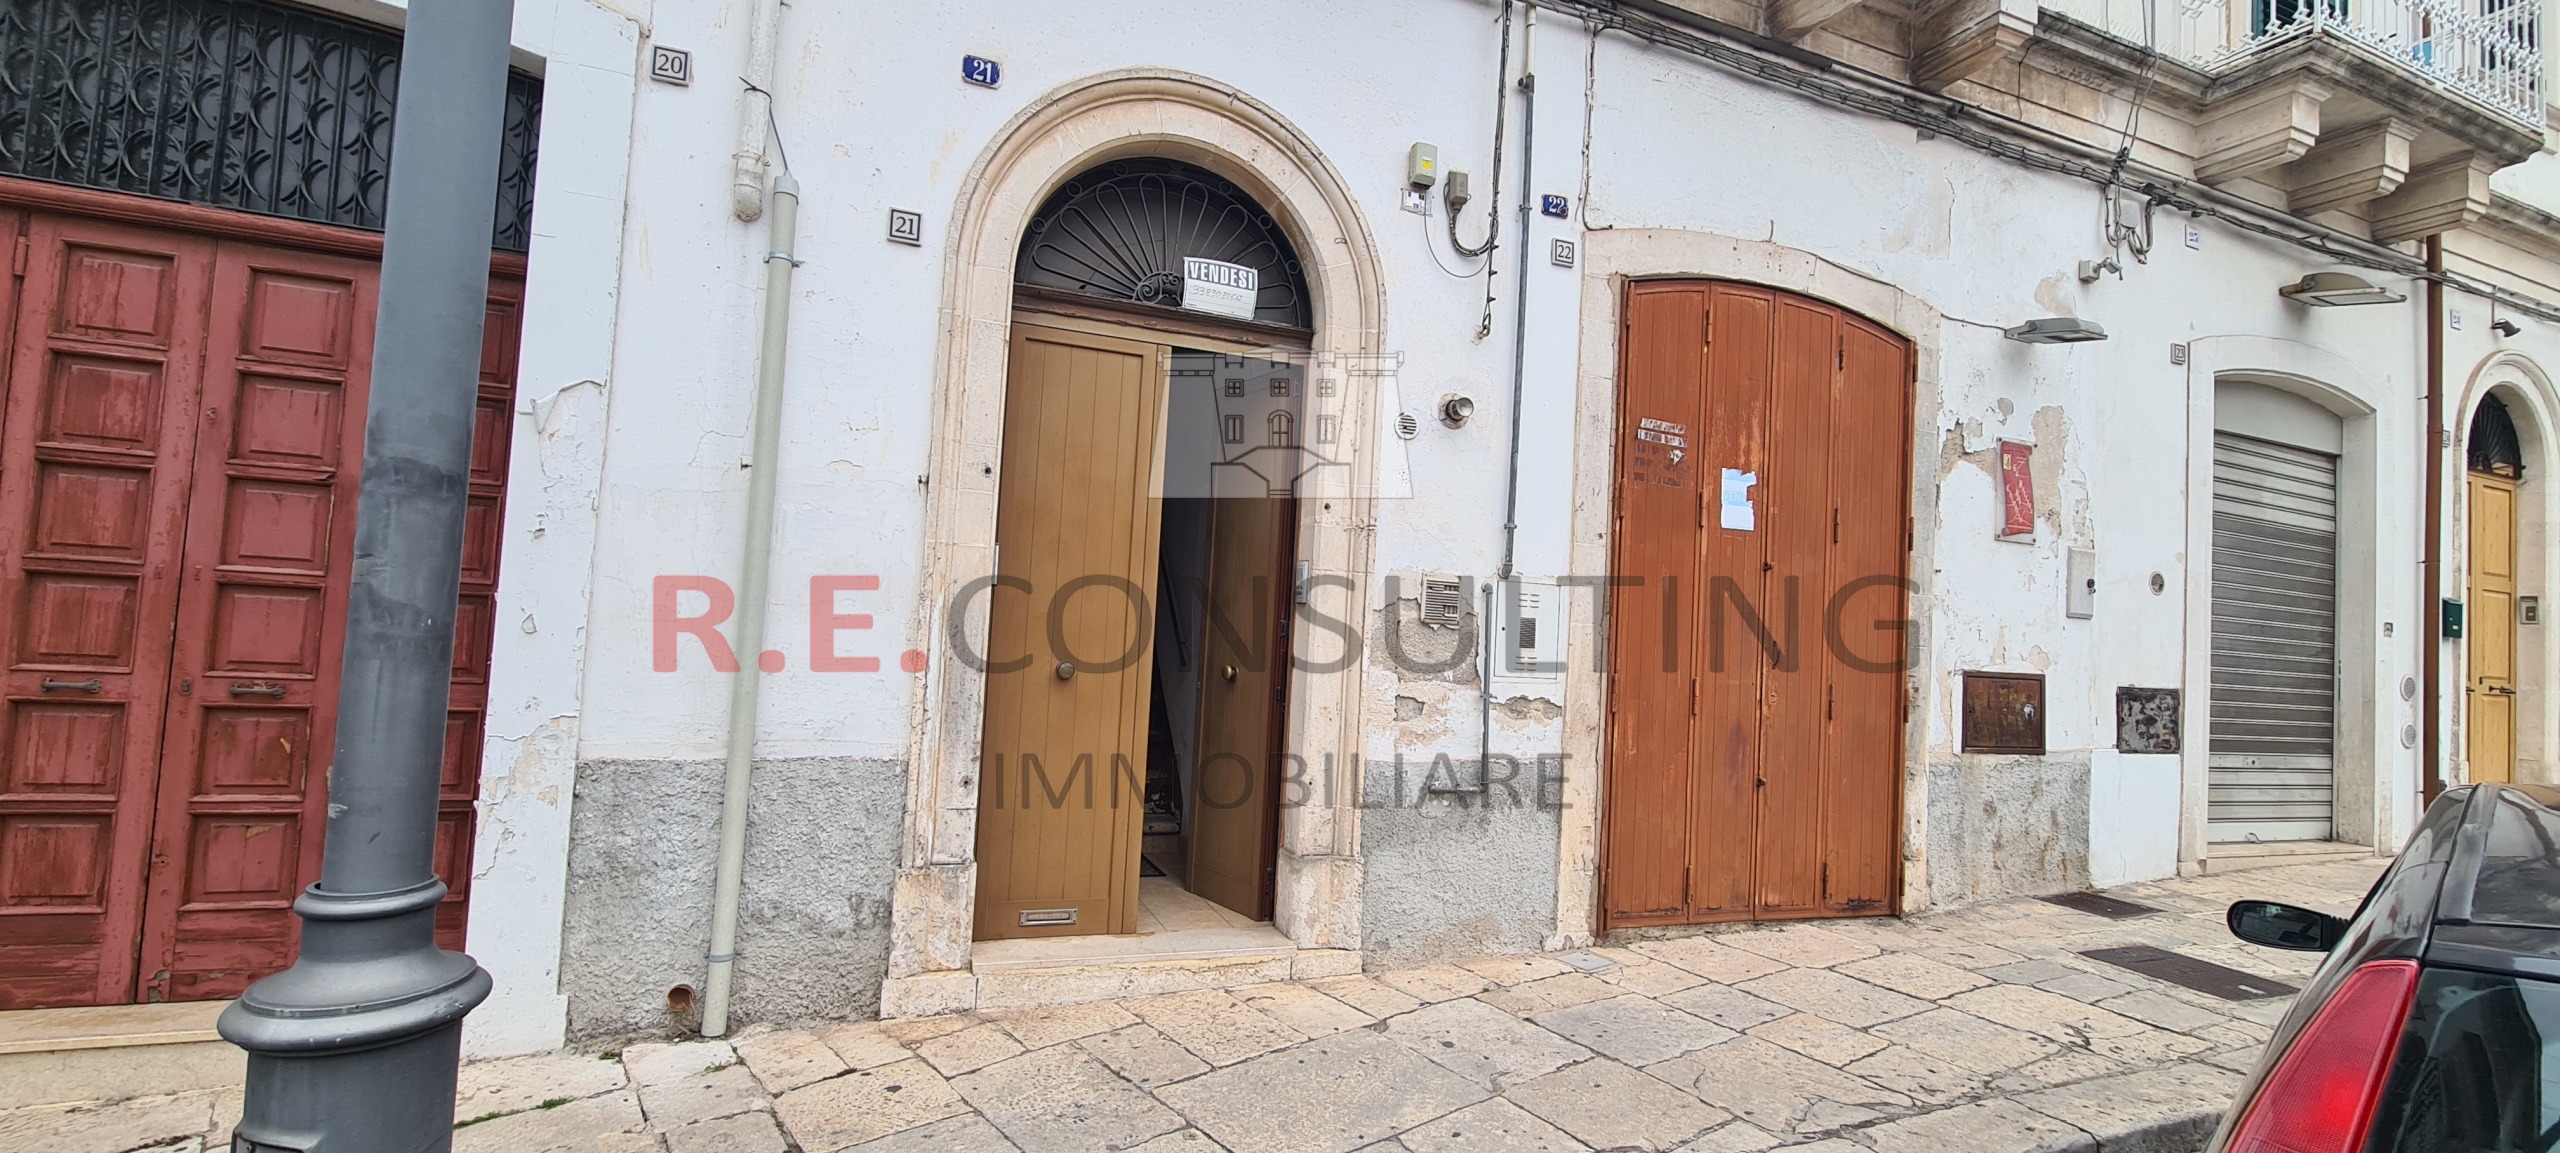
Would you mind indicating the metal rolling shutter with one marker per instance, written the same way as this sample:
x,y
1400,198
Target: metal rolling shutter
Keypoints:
x,y
2275,631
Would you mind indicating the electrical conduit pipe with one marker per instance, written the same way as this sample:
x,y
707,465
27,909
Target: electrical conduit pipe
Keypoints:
x,y
754,573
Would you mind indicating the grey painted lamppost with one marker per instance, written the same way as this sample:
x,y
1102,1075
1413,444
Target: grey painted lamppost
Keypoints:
x,y
354,1048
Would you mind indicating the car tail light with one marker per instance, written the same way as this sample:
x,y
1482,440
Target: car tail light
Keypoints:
x,y
2320,1098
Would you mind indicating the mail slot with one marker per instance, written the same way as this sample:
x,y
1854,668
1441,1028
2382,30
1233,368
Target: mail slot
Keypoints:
x,y
1048,916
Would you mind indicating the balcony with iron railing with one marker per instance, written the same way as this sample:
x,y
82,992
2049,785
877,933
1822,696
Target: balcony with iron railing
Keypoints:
x,y
2486,51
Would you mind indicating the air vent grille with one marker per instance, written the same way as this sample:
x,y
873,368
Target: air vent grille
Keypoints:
x,y
1444,601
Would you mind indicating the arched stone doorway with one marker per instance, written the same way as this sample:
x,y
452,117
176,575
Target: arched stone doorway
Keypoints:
x,y
1120,116
2494,464
2499,538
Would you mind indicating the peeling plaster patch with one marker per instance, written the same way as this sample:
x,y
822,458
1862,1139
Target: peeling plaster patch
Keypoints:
x,y
2045,468
1529,709
2042,660
1407,708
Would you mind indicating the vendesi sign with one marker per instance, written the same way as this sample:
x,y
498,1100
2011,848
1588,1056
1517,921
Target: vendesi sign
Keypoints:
x,y
1219,288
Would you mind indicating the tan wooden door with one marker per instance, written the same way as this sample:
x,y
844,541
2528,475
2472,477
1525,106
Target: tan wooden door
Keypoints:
x,y
1755,700
1062,785
2491,642
1245,667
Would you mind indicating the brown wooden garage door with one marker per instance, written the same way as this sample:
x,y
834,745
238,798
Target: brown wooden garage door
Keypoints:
x,y
1755,684
183,422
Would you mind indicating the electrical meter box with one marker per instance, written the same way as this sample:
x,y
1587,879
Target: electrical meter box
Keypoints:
x,y
1422,165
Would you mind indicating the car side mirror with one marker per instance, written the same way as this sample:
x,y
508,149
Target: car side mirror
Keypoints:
x,y
2281,926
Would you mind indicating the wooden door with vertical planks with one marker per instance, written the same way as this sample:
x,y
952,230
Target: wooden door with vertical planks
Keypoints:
x,y
2490,649
1755,671
1652,706
1245,666
95,450
1062,782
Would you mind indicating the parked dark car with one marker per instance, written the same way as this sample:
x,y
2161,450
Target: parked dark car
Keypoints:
x,y
2434,1026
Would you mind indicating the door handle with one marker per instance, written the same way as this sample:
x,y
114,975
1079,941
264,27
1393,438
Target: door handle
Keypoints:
x,y
268,689
92,685
1066,670
1228,673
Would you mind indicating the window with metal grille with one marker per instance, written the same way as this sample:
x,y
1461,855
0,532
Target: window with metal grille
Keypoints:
x,y
235,104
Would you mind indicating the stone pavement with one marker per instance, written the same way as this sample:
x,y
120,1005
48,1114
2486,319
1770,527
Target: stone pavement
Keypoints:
x,y
1978,1029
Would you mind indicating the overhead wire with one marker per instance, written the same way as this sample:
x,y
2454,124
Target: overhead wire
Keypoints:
x,y
1493,205
2020,143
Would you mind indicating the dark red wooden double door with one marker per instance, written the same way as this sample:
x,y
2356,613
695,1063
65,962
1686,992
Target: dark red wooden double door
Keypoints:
x,y
183,422
1756,671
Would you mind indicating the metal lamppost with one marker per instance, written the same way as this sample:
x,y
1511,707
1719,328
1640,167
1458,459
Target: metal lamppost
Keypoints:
x,y
354,1048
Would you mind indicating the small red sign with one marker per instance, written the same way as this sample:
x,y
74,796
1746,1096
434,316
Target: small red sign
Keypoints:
x,y
2017,491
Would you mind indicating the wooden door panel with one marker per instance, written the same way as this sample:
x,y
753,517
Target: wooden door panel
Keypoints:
x,y
261,619
475,621
1795,523
2489,648
1645,829
1244,666
95,447
1732,573
1789,794
1862,610
1062,785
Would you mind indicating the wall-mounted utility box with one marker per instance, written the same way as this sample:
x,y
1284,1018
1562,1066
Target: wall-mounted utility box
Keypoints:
x,y
2004,713
2147,720
1530,643
1422,165
2452,621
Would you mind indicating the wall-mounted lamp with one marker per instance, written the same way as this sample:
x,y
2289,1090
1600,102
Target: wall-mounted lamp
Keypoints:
x,y
2506,327
2325,289
1454,410
2055,330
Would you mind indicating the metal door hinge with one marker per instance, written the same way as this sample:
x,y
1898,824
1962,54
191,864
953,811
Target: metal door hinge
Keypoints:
x,y
1843,361
1693,696
18,257
1708,329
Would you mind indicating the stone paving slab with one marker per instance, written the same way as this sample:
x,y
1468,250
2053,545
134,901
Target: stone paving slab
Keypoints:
x,y
1975,1029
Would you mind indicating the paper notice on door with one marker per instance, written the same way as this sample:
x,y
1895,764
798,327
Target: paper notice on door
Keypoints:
x,y
1737,512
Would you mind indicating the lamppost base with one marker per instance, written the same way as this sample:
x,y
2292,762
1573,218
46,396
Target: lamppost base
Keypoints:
x,y
343,1043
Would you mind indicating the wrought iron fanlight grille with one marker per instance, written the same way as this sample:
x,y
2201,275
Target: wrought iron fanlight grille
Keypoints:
x,y
2493,446
1122,229
229,103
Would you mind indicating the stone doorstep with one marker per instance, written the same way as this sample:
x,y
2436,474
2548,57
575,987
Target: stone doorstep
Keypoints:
x,y
104,1052
2231,857
1043,973
108,1026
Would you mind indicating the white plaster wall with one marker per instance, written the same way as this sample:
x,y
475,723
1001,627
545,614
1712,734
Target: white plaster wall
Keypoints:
x,y
588,56
2132,799
875,117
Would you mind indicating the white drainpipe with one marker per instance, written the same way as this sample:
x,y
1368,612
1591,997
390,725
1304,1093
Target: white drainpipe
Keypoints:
x,y
754,573
746,177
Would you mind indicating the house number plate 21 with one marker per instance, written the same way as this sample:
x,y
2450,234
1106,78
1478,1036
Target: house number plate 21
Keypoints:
x,y
981,71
